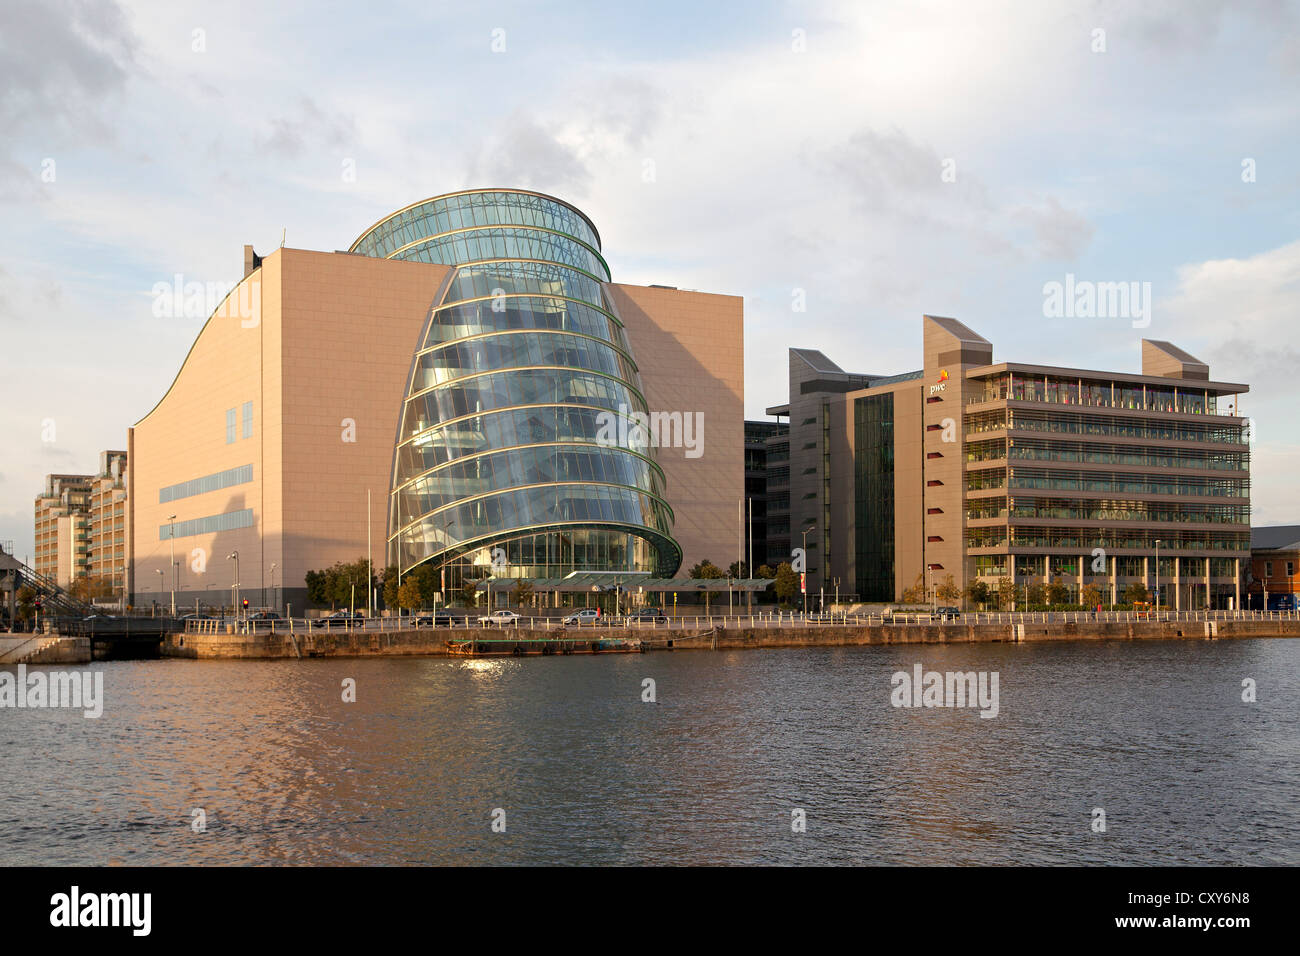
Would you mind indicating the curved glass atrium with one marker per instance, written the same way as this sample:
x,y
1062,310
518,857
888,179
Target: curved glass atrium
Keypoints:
x,y
509,434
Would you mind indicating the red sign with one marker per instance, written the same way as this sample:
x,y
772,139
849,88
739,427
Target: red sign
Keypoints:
x,y
803,582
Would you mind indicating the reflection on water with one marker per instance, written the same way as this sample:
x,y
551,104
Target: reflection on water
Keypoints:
x,y
286,772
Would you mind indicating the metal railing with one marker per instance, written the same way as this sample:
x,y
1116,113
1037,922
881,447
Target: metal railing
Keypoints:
x,y
769,619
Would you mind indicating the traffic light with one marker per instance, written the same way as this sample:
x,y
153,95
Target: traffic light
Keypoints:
x,y
38,603
245,604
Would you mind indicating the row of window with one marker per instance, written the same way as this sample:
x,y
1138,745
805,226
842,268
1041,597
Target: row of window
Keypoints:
x,y
1109,538
1126,484
523,278
539,507
232,423
525,466
1073,391
214,482
551,554
209,525
473,209
503,429
524,312
1029,449
1123,565
1066,509
519,349
514,388
507,243
1107,425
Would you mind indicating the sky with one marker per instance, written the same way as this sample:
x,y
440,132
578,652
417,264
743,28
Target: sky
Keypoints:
x,y
845,167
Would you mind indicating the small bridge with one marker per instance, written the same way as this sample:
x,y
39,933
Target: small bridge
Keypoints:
x,y
120,638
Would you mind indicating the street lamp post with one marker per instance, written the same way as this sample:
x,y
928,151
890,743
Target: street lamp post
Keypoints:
x,y
171,535
234,587
804,573
1157,579
274,605
160,584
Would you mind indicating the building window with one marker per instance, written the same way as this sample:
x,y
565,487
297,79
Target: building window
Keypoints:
x,y
211,524
230,426
1290,568
197,486
1268,569
248,420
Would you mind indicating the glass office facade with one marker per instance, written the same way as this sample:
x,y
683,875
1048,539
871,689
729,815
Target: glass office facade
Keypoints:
x,y
517,437
873,427
1111,465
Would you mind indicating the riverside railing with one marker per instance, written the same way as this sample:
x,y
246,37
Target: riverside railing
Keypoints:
x,y
770,619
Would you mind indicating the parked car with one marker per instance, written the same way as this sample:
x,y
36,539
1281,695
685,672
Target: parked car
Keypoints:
x,y
265,616
948,613
446,617
343,618
587,615
500,618
647,615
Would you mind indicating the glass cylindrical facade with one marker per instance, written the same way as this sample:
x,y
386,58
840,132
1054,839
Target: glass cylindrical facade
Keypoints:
x,y
510,445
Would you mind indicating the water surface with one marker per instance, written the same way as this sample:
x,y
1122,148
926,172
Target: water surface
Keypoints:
x,y
1154,733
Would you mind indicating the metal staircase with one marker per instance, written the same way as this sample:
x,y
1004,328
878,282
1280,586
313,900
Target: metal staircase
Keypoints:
x,y
55,600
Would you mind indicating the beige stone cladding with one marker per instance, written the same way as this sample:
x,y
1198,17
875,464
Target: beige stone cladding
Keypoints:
x,y
690,350
321,346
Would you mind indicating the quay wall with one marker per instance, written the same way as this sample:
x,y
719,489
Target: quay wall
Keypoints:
x,y
433,641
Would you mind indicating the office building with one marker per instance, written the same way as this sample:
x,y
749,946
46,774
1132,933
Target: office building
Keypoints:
x,y
1041,474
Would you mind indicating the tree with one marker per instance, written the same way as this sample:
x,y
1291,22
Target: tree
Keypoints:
x,y
88,588
469,586
1034,594
1135,593
1090,596
787,582
26,601
408,595
707,569
948,590
765,571
1006,593
521,592
978,592
916,593
427,578
390,587
317,587
1058,593
738,569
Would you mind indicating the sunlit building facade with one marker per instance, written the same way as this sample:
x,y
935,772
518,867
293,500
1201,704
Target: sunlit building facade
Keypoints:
x,y
523,361
1075,479
446,393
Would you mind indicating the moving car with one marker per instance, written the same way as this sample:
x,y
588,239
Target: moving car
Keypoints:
x,y
948,613
588,615
500,618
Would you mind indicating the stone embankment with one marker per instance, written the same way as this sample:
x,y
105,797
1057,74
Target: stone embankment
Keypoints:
x,y
439,642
